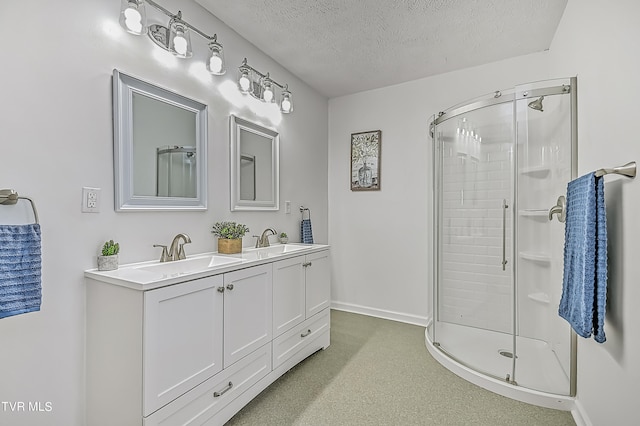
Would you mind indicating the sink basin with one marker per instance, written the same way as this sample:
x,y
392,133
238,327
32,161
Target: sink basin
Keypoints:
x,y
267,252
190,265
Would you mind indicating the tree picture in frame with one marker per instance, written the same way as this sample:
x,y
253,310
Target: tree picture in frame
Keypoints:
x,y
365,160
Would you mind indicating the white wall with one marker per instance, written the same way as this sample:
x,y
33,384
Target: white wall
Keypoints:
x,y
56,136
381,240
598,42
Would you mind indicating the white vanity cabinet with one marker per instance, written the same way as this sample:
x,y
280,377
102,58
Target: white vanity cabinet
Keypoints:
x,y
194,350
247,311
301,299
182,339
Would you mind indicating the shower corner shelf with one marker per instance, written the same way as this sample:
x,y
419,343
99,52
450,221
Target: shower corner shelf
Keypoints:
x,y
538,171
535,256
540,297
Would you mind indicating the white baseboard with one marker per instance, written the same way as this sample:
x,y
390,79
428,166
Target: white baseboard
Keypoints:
x,y
380,313
579,415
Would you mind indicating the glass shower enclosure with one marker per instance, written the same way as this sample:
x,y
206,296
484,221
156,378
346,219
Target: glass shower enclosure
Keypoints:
x,y
500,163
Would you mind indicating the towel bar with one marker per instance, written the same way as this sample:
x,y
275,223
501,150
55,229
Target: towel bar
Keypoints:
x,y
628,170
10,197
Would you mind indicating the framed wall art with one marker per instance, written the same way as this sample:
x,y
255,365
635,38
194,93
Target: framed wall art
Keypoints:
x,y
365,160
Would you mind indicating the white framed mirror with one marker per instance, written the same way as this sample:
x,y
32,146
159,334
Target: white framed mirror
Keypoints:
x,y
255,173
160,148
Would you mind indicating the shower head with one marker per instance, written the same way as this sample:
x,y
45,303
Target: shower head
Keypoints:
x,y
537,104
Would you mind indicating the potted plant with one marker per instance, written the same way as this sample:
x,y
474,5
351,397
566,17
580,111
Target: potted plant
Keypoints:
x,y
283,238
229,236
108,261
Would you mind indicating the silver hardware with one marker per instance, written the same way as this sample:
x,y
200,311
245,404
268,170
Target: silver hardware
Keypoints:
x,y
304,209
229,287
220,289
504,234
263,240
164,257
628,170
306,334
9,197
560,209
223,391
176,251
525,94
306,264
497,94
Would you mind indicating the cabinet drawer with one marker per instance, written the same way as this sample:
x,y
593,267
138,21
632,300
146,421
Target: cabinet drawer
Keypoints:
x,y
203,402
287,345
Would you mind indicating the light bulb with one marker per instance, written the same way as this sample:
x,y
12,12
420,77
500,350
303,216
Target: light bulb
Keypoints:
x,y
134,24
245,83
215,63
268,94
180,43
286,105
131,13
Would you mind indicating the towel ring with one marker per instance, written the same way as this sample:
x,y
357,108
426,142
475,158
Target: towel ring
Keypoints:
x,y
10,197
303,209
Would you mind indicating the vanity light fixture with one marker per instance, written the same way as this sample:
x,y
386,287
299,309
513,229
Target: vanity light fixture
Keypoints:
x,y
262,86
175,37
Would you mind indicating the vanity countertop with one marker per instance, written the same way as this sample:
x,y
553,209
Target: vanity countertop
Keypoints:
x,y
154,274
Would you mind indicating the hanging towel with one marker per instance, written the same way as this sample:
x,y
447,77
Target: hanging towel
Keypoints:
x,y
20,269
584,284
306,236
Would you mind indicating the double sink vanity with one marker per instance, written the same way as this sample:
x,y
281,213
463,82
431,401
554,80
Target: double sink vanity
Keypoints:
x,y
192,341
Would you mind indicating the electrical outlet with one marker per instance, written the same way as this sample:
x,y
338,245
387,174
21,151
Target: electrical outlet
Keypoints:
x,y
287,207
90,200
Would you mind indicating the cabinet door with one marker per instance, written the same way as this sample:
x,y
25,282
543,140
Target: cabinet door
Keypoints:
x,y
247,311
318,279
182,335
288,294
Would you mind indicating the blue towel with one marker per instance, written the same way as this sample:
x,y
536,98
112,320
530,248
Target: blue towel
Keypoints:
x,y
20,269
584,284
306,236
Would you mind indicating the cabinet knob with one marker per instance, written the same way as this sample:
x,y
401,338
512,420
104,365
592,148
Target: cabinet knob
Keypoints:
x,y
229,287
306,334
306,264
220,289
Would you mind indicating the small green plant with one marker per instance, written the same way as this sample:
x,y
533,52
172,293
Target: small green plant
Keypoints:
x,y
283,235
229,230
110,248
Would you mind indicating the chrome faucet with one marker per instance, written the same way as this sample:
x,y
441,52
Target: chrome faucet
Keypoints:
x,y
176,252
263,240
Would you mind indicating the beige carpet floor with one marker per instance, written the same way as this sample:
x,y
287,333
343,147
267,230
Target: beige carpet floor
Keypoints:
x,y
379,372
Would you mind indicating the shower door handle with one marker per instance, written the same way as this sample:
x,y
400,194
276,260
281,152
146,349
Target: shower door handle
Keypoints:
x,y
505,206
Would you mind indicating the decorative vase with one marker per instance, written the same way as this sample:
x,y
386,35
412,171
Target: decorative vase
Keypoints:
x,y
284,240
108,263
365,175
229,246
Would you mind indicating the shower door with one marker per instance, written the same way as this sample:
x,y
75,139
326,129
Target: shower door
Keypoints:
x,y
475,186
500,164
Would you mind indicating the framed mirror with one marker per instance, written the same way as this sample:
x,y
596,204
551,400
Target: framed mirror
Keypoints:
x,y
160,148
254,167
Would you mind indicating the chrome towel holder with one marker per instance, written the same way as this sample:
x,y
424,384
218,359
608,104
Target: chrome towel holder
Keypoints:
x,y
628,170
9,197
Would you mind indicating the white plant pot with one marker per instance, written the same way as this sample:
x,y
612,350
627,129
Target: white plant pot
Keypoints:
x,y
107,263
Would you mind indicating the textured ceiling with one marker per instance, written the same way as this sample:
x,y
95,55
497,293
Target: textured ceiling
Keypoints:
x,y
341,47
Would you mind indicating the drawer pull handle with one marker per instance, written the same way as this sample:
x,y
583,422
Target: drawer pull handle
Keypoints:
x,y
306,334
220,289
306,264
225,390
229,287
